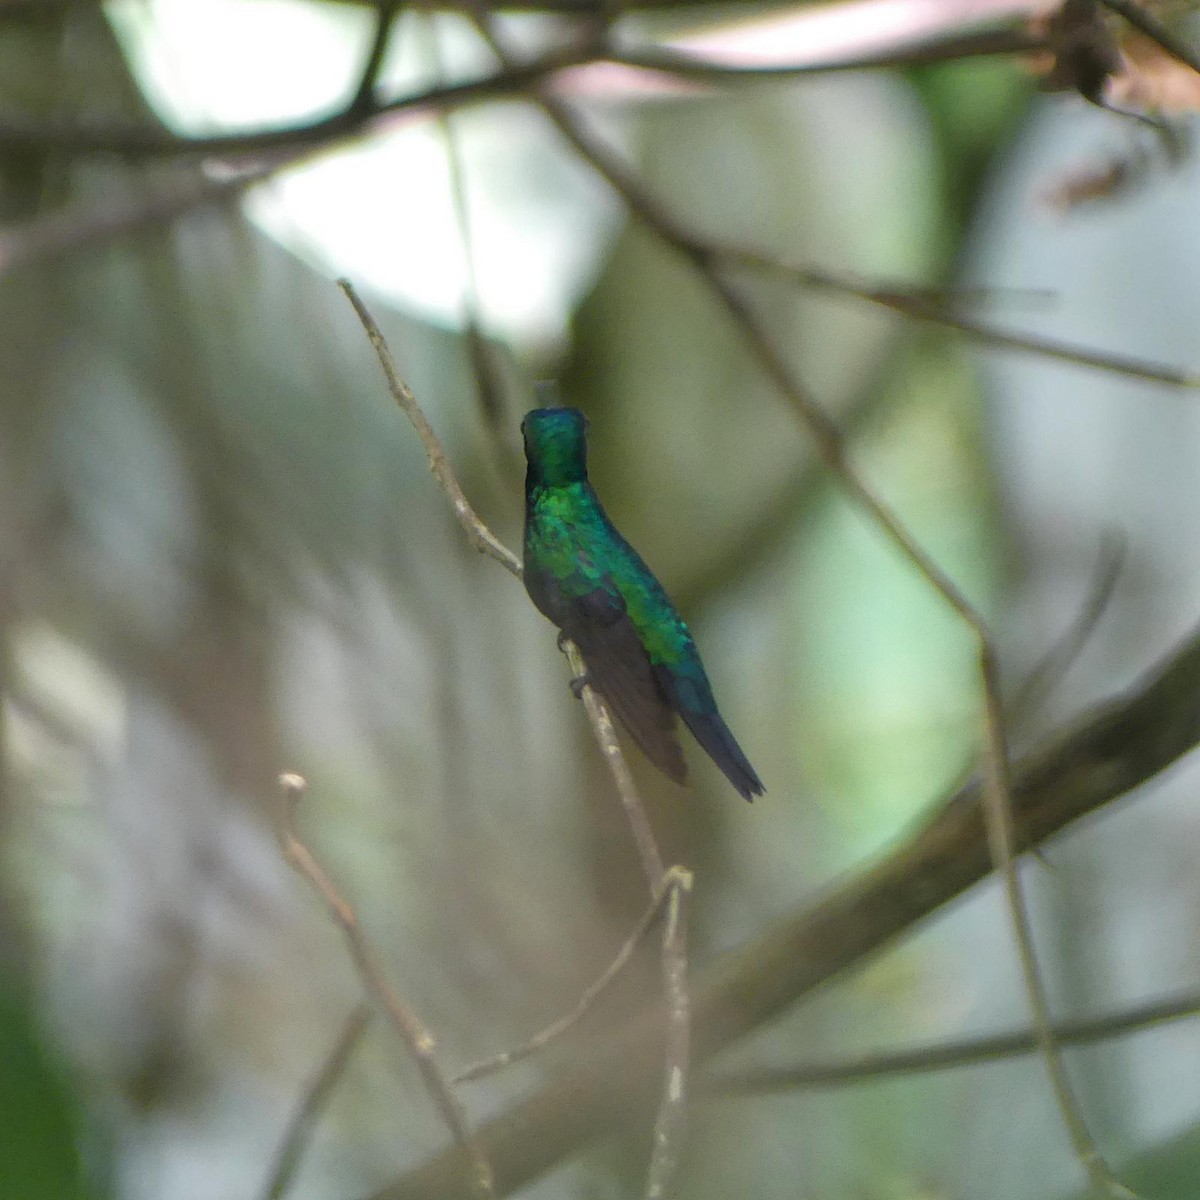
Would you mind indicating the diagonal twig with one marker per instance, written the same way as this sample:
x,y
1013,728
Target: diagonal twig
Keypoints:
x,y
1059,657
553,1031
417,1037
316,1096
674,888
478,534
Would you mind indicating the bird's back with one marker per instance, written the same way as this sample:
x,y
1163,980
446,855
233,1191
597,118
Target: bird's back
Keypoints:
x,y
595,587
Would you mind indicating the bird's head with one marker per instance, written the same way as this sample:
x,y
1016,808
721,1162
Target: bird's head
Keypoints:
x,y
555,445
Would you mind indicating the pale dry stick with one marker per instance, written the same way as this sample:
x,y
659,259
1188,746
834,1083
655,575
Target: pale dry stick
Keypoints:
x,y
677,882
946,1056
670,1121
553,1031
316,1096
610,748
478,534
416,1036
831,446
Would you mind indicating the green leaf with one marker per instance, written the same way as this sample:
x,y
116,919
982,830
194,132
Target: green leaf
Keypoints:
x,y
39,1130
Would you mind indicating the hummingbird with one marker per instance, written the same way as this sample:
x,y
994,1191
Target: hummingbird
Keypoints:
x,y
582,574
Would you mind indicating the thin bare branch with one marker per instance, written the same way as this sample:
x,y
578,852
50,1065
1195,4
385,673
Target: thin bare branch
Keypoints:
x,y
919,306
1001,838
555,1030
610,747
676,885
945,1056
1054,664
416,1036
304,1120
478,534
670,1122
588,997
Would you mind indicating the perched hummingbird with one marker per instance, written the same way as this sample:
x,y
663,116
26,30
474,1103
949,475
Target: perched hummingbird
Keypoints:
x,y
584,576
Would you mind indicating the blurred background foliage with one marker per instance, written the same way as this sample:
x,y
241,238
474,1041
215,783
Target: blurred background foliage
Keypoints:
x,y
222,555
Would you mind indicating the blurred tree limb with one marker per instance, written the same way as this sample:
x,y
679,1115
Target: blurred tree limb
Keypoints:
x,y
416,1035
1111,750
366,105
942,1056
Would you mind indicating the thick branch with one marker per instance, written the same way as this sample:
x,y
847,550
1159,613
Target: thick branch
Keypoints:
x,y
1113,749
21,132
147,141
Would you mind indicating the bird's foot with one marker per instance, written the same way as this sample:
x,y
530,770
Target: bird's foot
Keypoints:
x,y
562,642
578,683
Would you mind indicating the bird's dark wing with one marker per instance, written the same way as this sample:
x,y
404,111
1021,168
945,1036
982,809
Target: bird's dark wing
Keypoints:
x,y
689,695
620,670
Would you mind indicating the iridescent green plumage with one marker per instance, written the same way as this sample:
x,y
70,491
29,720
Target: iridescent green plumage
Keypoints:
x,y
595,587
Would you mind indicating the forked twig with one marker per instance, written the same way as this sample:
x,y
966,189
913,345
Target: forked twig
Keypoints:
x,y
544,1037
831,447
316,1096
416,1036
